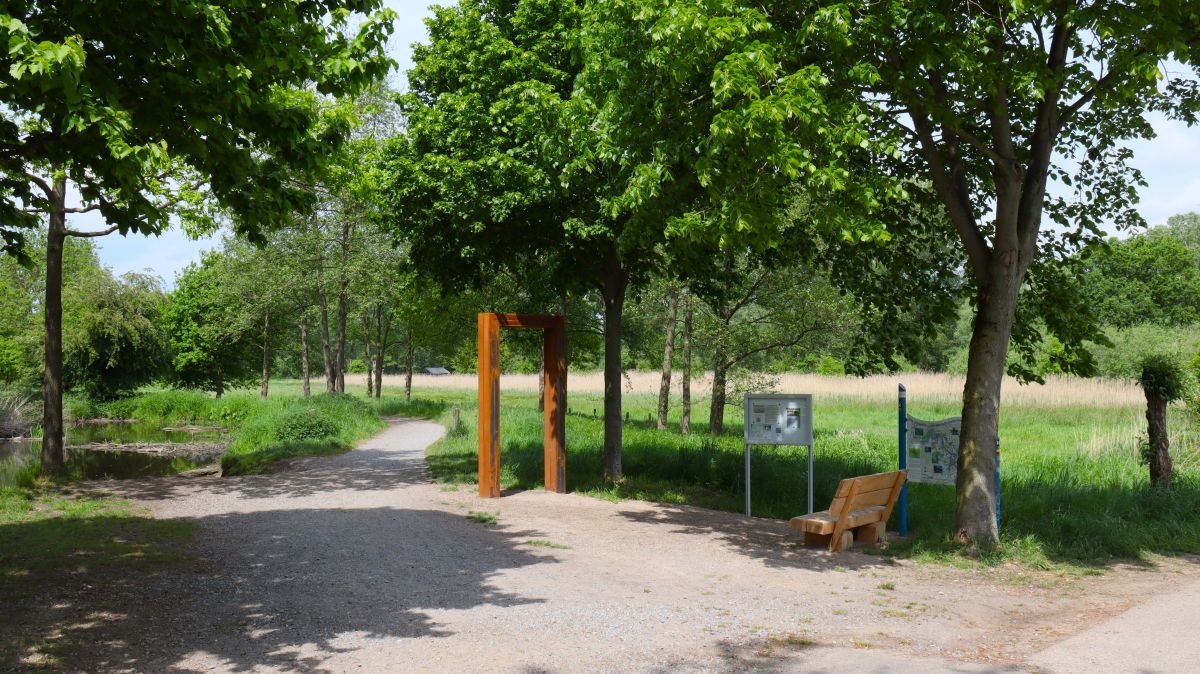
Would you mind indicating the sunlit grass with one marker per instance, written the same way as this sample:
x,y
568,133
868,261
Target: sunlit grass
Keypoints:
x,y
1072,491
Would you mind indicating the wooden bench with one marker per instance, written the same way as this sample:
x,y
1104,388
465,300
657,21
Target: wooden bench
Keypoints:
x,y
859,512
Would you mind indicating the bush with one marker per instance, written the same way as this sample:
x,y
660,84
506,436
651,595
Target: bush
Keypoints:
x,y
305,425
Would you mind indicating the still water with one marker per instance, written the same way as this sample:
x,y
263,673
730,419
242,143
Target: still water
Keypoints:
x,y
87,464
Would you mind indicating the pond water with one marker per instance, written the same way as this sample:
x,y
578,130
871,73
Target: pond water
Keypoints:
x,y
92,464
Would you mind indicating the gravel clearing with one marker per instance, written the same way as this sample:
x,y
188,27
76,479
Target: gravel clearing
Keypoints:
x,y
359,563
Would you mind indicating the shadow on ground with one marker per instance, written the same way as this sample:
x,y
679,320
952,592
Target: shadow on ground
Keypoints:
x,y
293,590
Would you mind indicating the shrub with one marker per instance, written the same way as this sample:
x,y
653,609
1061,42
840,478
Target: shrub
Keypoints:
x,y
309,424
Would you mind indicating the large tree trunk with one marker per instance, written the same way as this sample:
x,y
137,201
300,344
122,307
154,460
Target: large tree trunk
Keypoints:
x,y
975,512
408,367
304,356
326,351
1161,467
616,280
53,461
266,362
685,419
716,410
664,386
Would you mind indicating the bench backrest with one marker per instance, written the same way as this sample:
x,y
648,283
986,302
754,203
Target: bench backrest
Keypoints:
x,y
868,491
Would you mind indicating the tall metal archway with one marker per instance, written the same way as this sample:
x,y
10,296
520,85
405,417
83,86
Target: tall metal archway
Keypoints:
x,y
555,374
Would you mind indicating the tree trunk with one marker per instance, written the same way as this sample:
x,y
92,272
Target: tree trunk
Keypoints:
x,y
304,356
53,460
266,362
408,367
685,420
382,329
326,352
1161,467
716,410
343,307
367,353
664,387
975,490
340,361
219,381
616,280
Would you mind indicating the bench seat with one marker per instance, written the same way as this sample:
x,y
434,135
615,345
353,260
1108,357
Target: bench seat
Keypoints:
x,y
859,511
823,522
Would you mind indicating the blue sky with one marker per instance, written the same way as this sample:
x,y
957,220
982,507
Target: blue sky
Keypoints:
x,y
1170,163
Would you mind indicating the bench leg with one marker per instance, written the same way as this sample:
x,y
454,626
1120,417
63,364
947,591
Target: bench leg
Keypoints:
x,y
844,542
870,533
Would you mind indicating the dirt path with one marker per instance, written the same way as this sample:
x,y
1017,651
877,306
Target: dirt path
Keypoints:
x,y
359,563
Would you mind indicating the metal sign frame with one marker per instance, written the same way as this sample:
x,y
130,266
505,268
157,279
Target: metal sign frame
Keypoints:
x,y
803,435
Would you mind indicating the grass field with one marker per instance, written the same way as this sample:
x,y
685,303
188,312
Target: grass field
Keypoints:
x,y
1073,490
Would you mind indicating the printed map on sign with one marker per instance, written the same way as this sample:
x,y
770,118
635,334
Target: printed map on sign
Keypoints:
x,y
933,450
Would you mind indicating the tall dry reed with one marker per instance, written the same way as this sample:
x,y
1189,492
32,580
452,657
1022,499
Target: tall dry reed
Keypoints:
x,y
1058,391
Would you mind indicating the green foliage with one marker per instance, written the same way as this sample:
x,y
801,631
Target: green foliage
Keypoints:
x,y
1165,377
1130,346
325,424
213,348
203,91
1144,279
305,424
115,340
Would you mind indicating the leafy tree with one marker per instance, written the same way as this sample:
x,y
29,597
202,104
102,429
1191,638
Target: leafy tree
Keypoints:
x,y
213,347
115,337
1144,279
1164,380
497,170
986,104
163,108
1185,228
760,310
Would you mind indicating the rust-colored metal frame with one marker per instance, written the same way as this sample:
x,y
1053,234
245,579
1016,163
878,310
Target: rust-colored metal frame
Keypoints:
x,y
554,332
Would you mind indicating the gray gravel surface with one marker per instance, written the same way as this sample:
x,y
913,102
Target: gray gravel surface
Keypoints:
x,y
359,563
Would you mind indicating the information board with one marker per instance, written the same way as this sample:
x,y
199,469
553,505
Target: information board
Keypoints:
x,y
778,419
933,450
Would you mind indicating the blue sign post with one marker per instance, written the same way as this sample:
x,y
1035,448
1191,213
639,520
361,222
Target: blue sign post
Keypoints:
x,y
903,460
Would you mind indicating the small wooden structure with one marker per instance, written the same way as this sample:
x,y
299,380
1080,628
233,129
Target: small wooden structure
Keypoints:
x,y
555,374
859,512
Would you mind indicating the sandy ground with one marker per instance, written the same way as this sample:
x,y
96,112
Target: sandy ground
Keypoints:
x,y
359,563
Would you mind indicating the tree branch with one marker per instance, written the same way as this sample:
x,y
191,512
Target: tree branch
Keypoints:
x,y
90,235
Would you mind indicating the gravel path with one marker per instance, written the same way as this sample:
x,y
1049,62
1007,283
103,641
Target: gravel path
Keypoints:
x,y
359,563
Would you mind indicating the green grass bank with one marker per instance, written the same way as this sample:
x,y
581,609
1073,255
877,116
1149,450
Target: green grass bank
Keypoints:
x,y
1073,491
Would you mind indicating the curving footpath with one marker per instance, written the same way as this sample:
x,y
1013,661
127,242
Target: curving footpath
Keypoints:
x,y
360,563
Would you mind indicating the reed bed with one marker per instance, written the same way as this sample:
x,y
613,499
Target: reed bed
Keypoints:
x,y
939,389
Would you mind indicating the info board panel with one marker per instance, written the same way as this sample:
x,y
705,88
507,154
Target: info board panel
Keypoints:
x,y
779,419
933,450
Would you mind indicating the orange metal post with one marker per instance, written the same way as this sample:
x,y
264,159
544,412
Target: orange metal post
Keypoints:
x,y
489,405
555,433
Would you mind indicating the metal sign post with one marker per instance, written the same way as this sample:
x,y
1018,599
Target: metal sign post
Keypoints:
x,y
774,419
